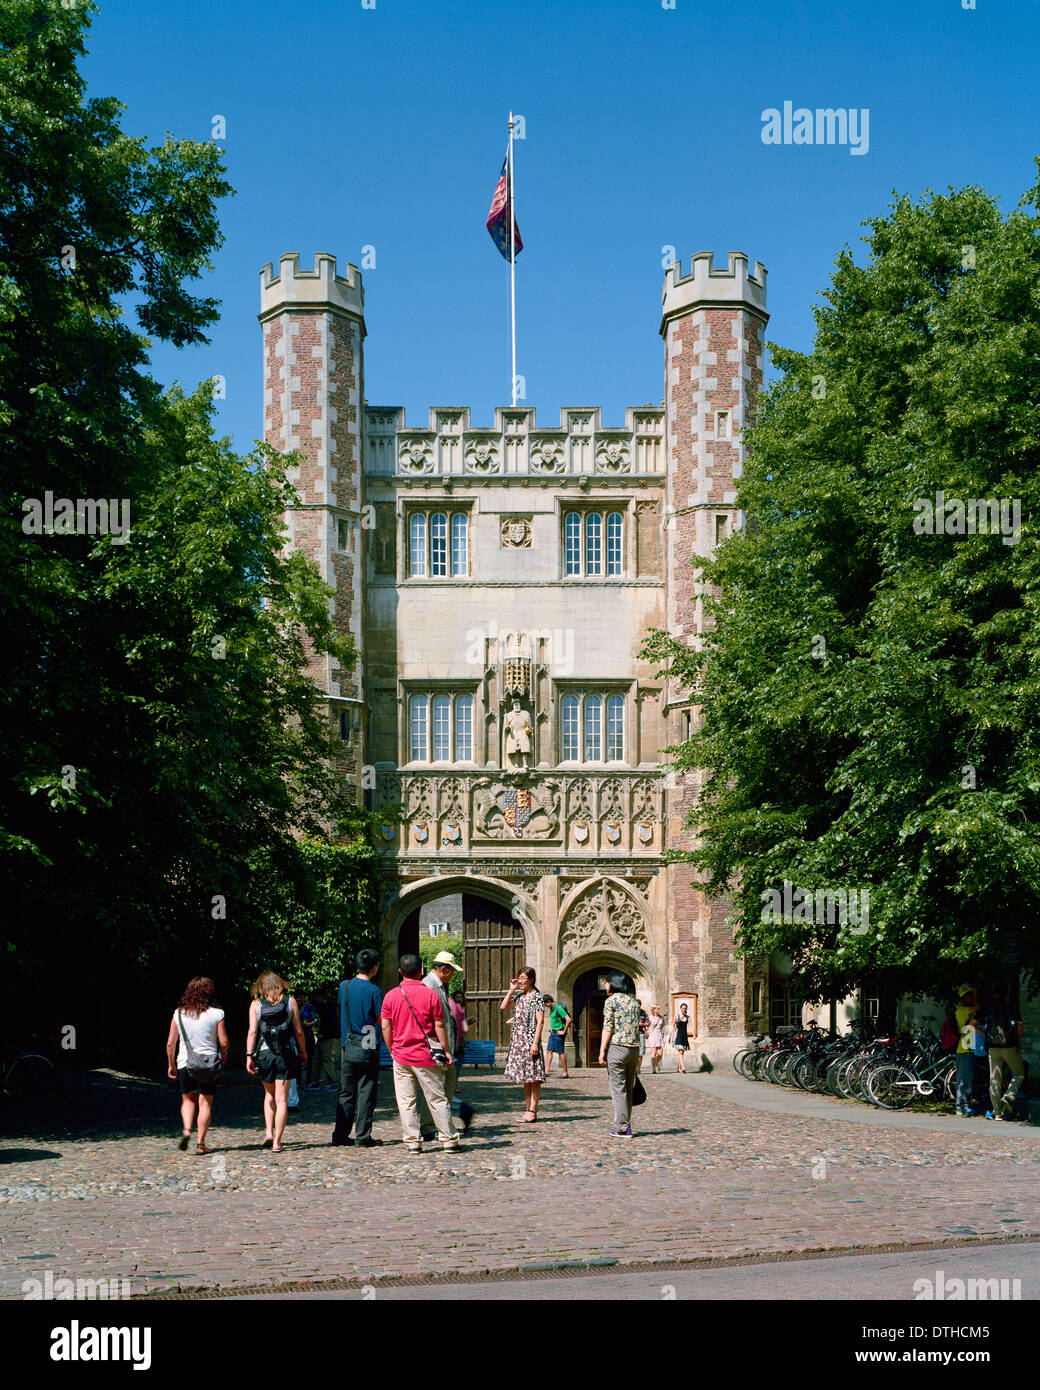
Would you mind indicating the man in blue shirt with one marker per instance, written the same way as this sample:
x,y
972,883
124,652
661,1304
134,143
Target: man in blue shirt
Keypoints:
x,y
360,1001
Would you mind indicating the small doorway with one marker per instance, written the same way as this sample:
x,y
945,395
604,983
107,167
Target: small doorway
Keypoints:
x,y
588,997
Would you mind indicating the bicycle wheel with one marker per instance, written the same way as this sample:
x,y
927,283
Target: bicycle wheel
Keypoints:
x,y
738,1060
891,1087
802,1071
31,1080
949,1084
749,1065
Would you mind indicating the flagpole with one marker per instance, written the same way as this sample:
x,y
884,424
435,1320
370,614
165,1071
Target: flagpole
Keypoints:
x,y
512,260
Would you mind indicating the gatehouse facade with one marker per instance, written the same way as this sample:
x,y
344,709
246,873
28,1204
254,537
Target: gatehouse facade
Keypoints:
x,y
499,581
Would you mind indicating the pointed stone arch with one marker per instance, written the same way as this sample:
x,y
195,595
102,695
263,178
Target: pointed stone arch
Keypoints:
x,y
605,915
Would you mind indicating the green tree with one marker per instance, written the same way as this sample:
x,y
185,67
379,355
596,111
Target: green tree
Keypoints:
x,y
430,946
869,691
160,736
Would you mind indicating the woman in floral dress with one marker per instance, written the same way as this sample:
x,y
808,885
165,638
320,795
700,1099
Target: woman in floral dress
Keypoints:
x,y
525,1062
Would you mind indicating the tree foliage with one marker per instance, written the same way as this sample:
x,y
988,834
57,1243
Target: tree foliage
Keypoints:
x,y
162,749
869,692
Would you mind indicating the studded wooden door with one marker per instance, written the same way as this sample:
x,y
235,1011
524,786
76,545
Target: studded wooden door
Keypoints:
x,y
494,949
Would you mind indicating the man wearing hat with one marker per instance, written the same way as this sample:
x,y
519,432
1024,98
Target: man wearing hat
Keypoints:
x,y
444,968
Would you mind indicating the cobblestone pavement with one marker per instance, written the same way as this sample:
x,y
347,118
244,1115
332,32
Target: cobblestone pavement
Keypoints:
x,y
107,1194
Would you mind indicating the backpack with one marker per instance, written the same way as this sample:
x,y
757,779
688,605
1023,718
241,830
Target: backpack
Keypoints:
x,y
950,1035
1000,1026
274,1023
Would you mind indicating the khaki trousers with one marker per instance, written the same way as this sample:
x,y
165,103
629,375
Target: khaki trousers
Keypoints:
x,y
408,1082
999,1058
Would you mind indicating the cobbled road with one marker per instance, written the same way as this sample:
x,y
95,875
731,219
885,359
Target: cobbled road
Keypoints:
x,y
101,1191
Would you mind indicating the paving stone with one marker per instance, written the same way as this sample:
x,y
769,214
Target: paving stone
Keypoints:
x,y
704,1176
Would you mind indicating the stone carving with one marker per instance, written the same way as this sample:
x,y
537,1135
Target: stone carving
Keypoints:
x,y
643,797
516,533
481,457
530,886
610,801
451,807
612,456
604,915
518,734
515,675
517,809
548,456
417,457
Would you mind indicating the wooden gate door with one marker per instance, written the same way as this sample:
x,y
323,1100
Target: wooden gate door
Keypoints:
x,y
494,949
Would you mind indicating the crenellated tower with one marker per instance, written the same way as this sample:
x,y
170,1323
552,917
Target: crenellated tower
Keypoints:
x,y
313,324
713,323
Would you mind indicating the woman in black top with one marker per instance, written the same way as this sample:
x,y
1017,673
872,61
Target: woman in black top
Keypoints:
x,y
681,1035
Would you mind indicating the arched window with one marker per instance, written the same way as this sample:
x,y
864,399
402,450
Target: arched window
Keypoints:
x,y
615,728
569,743
417,728
417,545
593,729
460,544
572,543
441,728
438,545
615,530
594,543
463,728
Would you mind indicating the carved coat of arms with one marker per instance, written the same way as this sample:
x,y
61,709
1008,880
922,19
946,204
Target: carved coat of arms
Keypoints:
x,y
515,803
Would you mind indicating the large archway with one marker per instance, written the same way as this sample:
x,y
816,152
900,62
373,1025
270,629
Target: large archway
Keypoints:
x,y
580,986
494,942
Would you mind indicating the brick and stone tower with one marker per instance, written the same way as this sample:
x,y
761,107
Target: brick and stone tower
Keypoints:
x,y
313,324
713,324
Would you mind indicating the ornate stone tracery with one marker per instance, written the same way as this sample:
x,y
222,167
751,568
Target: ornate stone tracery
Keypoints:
x,y
604,916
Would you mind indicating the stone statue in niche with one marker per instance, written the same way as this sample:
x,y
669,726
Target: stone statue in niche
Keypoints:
x,y
518,734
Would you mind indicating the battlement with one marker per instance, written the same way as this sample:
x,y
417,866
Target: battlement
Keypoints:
x,y
515,445
707,287
317,289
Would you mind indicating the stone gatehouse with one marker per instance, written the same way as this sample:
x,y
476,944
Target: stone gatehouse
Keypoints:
x,y
499,580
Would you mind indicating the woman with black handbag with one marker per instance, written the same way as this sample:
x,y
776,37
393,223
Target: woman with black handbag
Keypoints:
x,y
196,1053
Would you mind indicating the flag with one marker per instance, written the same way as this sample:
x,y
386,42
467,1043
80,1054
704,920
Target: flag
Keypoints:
x,y
499,216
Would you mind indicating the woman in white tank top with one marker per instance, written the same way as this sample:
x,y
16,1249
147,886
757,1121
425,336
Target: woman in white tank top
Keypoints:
x,y
196,1024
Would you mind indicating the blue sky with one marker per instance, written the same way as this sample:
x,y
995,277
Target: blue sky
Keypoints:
x,y
350,127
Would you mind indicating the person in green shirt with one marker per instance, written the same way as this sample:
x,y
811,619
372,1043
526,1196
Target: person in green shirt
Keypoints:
x,y
559,1022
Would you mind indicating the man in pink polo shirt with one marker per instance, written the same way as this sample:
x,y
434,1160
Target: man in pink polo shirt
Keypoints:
x,y
411,1019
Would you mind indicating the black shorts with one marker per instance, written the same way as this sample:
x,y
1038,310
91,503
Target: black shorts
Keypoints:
x,y
190,1086
272,1066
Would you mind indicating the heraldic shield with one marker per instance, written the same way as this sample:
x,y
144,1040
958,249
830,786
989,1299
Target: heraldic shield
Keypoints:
x,y
515,804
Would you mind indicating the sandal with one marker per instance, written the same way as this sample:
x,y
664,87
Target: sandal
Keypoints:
x,y
201,1149
267,1143
525,1120
184,1140
276,1148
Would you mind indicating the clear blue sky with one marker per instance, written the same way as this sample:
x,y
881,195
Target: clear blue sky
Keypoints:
x,y
349,127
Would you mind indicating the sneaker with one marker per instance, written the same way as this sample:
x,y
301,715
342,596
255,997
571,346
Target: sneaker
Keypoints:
x,y
452,1146
615,1134
990,1115
414,1148
626,1133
